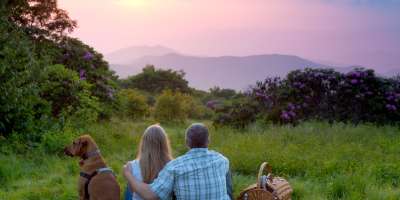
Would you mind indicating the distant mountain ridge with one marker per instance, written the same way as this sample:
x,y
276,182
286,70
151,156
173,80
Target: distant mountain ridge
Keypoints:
x,y
129,54
224,71
204,72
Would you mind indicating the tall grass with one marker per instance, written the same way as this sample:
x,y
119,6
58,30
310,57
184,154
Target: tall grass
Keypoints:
x,y
321,161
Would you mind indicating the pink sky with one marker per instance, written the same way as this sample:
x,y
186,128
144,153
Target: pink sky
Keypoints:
x,y
359,32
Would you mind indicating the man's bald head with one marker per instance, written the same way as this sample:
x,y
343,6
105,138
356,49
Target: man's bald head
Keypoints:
x,y
197,136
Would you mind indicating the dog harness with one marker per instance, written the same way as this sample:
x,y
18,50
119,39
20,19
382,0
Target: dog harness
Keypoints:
x,y
89,177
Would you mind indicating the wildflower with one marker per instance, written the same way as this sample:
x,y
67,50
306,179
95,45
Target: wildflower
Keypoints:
x,y
82,74
212,104
110,94
292,114
389,98
391,107
88,56
291,106
354,81
285,115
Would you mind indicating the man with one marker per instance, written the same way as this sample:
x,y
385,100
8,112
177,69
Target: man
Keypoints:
x,y
199,174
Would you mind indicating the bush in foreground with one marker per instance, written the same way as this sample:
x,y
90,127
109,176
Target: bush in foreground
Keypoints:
x,y
132,104
170,107
358,96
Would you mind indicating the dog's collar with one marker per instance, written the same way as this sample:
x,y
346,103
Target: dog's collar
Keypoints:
x,y
90,154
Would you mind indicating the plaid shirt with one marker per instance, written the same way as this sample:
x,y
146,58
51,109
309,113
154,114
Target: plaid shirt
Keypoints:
x,y
199,174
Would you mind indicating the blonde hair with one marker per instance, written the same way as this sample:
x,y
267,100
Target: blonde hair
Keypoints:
x,y
154,152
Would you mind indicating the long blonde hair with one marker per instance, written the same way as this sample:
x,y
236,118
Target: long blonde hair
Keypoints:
x,y
154,152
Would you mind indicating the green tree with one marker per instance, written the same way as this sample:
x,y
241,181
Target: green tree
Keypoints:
x,y
154,80
217,92
19,93
40,19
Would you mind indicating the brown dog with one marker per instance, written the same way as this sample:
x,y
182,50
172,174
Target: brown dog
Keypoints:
x,y
96,181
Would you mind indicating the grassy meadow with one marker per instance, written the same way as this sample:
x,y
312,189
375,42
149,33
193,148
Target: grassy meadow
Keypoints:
x,y
321,161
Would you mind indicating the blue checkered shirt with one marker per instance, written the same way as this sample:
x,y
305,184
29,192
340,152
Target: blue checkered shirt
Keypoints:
x,y
199,174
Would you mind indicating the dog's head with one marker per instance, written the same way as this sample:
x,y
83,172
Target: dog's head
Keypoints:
x,y
80,146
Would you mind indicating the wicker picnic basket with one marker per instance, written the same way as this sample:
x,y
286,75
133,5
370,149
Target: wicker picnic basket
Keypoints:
x,y
267,187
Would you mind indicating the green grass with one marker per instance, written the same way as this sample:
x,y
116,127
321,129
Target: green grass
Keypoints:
x,y
320,161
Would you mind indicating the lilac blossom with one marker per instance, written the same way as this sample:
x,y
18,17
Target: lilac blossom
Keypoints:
x,y
82,74
291,106
88,56
285,115
110,94
212,104
389,98
66,56
354,81
391,107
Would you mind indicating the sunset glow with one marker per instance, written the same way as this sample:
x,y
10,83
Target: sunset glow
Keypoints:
x,y
134,3
337,31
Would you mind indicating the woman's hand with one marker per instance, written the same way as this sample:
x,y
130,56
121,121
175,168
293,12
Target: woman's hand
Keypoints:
x,y
127,170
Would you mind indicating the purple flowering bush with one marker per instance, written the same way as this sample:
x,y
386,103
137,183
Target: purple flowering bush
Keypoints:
x,y
238,113
68,96
91,67
324,94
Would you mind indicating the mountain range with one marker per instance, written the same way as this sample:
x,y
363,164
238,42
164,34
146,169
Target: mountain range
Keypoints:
x,y
204,72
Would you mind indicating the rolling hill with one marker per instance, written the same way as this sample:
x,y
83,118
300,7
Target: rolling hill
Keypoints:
x,y
204,72
225,71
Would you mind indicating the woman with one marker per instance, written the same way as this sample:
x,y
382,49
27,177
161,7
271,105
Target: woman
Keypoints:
x,y
154,153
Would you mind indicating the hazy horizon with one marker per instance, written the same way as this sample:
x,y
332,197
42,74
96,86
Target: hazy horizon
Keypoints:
x,y
363,32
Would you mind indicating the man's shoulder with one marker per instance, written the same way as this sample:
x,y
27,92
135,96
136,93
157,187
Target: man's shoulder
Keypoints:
x,y
218,155
185,158
180,160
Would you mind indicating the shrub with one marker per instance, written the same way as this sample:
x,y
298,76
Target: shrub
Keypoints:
x,y
90,66
53,142
132,104
195,109
170,107
19,94
70,97
238,113
358,96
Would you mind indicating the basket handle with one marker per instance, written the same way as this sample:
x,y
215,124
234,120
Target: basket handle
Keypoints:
x,y
265,167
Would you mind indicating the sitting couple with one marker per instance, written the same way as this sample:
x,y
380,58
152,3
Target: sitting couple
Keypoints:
x,y
198,174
